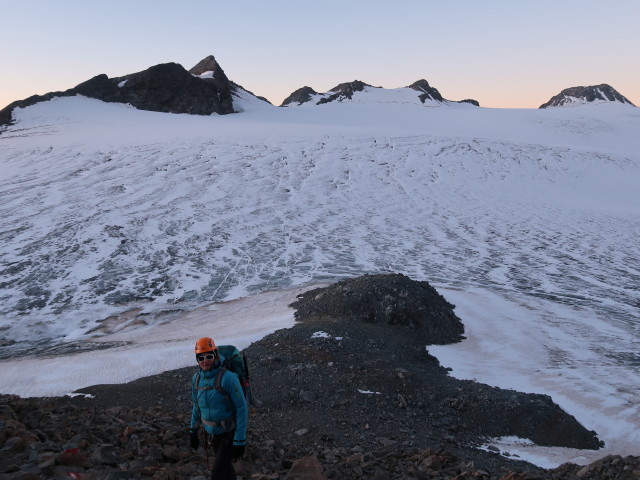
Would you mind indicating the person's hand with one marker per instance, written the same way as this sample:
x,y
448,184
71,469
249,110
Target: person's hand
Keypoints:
x,y
194,441
238,451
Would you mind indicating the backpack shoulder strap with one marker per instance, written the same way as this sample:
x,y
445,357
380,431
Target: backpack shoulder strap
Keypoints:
x,y
217,384
196,383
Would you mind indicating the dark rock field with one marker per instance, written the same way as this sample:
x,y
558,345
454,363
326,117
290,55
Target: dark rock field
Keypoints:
x,y
350,392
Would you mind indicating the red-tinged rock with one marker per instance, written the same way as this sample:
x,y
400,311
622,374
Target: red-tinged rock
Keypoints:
x,y
73,457
307,468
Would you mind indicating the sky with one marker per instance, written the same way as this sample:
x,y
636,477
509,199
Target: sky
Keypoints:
x,y
502,53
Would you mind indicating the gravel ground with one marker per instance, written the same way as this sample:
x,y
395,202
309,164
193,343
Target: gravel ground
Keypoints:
x,y
363,380
350,390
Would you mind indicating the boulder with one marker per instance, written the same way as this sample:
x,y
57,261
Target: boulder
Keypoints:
x,y
307,468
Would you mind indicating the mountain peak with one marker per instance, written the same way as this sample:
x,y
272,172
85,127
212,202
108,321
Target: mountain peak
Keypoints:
x,y
349,88
167,87
428,92
344,91
581,95
301,95
207,64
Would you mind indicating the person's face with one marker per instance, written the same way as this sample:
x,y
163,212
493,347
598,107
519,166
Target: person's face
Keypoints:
x,y
206,360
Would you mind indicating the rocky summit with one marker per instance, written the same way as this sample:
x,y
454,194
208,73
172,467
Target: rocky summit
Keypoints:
x,y
302,95
208,65
166,88
341,92
594,93
353,396
427,91
344,91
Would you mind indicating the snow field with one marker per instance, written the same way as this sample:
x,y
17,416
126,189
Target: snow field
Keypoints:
x,y
119,228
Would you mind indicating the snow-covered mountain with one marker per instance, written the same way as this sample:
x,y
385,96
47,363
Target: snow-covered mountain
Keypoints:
x,y
203,90
582,95
419,90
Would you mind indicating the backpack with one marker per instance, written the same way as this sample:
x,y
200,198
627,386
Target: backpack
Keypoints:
x,y
236,363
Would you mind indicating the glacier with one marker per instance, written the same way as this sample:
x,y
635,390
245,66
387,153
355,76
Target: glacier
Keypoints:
x,y
117,221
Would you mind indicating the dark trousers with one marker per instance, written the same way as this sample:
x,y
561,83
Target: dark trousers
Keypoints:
x,y
222,468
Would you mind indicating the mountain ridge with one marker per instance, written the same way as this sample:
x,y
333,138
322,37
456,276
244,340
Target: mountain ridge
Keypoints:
x,y
167,87
205,89
345,92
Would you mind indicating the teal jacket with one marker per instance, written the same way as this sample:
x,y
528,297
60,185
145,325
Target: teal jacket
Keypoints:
x,y
211,406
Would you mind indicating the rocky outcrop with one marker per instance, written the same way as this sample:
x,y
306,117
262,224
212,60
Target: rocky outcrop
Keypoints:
x,y
579,95
392,299
383,322
6,114
166,88
206,65
470,101
428,92
300,96
347,397
431,93
209,69
170,88
344,91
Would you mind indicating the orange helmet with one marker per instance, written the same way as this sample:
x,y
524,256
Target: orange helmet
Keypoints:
x,y
205,344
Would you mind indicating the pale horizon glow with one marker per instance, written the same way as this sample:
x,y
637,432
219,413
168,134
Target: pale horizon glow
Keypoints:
x,y
501,53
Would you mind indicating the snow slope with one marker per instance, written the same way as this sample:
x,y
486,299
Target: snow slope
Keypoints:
x,y
527,219
106,207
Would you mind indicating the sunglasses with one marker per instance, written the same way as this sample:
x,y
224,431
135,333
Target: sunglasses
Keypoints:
x,y
202,358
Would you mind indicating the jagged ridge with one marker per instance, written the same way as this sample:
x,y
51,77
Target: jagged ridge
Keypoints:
x,y
169,88
345,91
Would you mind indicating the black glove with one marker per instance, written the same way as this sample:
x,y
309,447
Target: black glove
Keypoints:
x,y
194,441
238,452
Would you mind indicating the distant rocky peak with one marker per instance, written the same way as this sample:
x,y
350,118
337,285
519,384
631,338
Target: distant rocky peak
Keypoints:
x,y
207,64
300,96
349,88
166,87
593,93
344,91
428,92
421,85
